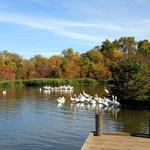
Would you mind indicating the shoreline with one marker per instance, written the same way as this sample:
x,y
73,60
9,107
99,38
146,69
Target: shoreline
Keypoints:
x,y
128,104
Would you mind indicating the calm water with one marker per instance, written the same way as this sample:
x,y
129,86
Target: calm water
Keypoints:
x,y
30,120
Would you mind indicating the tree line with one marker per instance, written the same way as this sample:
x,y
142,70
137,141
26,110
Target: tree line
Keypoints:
x,y
97,63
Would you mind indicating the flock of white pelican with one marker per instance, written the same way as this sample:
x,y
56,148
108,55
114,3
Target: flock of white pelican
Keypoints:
x,y
61,89
84,100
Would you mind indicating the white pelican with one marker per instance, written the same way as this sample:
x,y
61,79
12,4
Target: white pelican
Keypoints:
x,y
40,90
114,102
106,91
4,92
59,105
85,94
104,103
96,97
61,100
100,106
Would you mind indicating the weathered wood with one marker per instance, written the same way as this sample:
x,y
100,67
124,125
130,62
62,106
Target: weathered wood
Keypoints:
x,y
149,126
117,133
116,141
98,124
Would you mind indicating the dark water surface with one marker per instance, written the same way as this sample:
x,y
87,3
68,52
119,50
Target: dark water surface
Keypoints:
x,y
31,120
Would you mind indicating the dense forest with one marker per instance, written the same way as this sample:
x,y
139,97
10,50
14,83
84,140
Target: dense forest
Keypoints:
x,y
98,63
125,61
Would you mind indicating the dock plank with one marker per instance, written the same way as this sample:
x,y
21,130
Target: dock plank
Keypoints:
x,y
116,142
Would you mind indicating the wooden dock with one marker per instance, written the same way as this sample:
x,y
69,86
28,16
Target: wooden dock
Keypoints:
x,y
116,141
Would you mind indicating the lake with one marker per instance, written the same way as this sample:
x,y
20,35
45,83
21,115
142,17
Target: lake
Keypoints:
x,y
33,120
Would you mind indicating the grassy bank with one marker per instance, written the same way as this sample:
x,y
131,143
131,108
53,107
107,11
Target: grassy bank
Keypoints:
x,y
57,82
11,84
49,81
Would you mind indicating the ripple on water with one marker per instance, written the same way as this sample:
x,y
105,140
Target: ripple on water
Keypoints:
x,y
30,120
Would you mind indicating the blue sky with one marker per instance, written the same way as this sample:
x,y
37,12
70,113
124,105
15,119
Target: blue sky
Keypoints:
x,y
46,27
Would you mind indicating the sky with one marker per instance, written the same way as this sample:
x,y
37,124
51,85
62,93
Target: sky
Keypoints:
x,y
46,27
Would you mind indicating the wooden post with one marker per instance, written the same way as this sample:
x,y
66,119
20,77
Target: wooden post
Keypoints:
x,y
98,124
149,127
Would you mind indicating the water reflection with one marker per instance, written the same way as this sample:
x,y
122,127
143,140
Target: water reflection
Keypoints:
x,y
60,105
30,119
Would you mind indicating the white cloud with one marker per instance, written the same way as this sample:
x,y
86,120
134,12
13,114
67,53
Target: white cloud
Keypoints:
x,y
77,30
51,25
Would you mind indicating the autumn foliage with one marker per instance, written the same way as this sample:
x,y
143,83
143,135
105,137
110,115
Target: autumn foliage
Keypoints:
x,y
97,63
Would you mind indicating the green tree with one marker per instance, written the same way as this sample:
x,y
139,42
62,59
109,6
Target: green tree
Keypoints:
x,y
55,64
126,44
144,47
92,65
67,52
129,80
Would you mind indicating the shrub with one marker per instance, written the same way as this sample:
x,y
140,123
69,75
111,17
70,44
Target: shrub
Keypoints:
x,y
18,83
5,84
130,81
57,82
